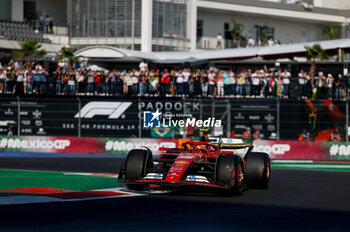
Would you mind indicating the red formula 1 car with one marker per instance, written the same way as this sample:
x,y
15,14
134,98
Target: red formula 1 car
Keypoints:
x,y
210,164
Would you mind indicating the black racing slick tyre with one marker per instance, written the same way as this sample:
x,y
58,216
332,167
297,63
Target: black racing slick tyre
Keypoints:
x,y
258,169
230,172
136,165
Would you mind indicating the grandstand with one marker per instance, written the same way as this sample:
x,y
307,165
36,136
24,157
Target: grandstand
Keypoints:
x,y
20,31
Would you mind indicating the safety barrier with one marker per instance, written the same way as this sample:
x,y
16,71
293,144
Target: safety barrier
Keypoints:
x,y
277,149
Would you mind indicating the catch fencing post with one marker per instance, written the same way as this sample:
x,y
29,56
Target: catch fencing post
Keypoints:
x,y
184,111
347,121
212,114
18,116
201,109
140,118
278,117
228,117
79,119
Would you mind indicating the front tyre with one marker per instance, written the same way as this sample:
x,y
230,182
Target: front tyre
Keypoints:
x,y
135,167
230,172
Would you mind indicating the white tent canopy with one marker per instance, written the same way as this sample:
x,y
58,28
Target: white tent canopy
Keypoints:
x,y
108,52
95,67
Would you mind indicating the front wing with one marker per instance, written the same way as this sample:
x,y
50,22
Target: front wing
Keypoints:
x,y
180,184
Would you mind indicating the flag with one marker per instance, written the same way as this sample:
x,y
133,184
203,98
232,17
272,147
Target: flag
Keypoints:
x,y
273,84
162,132
185,130
332,109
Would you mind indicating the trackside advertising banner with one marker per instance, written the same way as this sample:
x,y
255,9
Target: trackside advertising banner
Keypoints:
x,y
288,149
280,149
81,145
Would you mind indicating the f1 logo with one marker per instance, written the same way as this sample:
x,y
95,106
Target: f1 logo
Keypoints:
x,y
151,119
113,110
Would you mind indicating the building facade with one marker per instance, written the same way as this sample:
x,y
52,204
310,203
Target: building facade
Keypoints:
x,y
158,25
180,25
285,21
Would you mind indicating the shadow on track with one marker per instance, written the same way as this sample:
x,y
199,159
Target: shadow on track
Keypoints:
x,y
155,213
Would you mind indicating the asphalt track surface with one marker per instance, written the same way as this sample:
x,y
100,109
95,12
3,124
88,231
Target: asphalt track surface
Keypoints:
x,y
297,200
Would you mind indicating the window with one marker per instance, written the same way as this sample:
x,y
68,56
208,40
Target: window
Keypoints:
x,y
264,32
199,29
227,31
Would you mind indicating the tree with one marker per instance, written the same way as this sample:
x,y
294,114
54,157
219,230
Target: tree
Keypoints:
x,y
67,53
313,53
30,48
332,32
237,30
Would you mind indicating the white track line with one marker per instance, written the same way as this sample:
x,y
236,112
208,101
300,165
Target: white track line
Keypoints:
x,y
292,161
90,174
19,200
313,166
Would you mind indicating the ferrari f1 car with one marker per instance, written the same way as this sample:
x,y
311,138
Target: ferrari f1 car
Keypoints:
x,y
209,164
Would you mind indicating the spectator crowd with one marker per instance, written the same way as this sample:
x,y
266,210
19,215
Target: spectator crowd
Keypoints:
x,y
16,78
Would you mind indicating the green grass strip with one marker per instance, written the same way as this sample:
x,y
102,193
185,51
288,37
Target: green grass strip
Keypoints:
x,y
312,166
10,179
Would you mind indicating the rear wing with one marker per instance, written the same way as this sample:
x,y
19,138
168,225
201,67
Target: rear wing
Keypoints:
x,y
228,143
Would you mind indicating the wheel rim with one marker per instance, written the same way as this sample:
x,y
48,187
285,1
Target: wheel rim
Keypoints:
x,y
239,175
268,171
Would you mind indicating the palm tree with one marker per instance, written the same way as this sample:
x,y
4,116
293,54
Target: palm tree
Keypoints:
x,y
67,53
29,48
313,53
237,31
332,32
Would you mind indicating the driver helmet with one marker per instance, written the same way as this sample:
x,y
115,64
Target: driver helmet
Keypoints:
x,y
204,138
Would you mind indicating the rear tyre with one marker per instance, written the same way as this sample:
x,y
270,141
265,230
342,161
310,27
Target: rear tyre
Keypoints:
x,y
230,172
258,169
136,165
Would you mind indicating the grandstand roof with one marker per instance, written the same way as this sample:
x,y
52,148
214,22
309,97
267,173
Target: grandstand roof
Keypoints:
x,y
274,52
15,45
9,44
